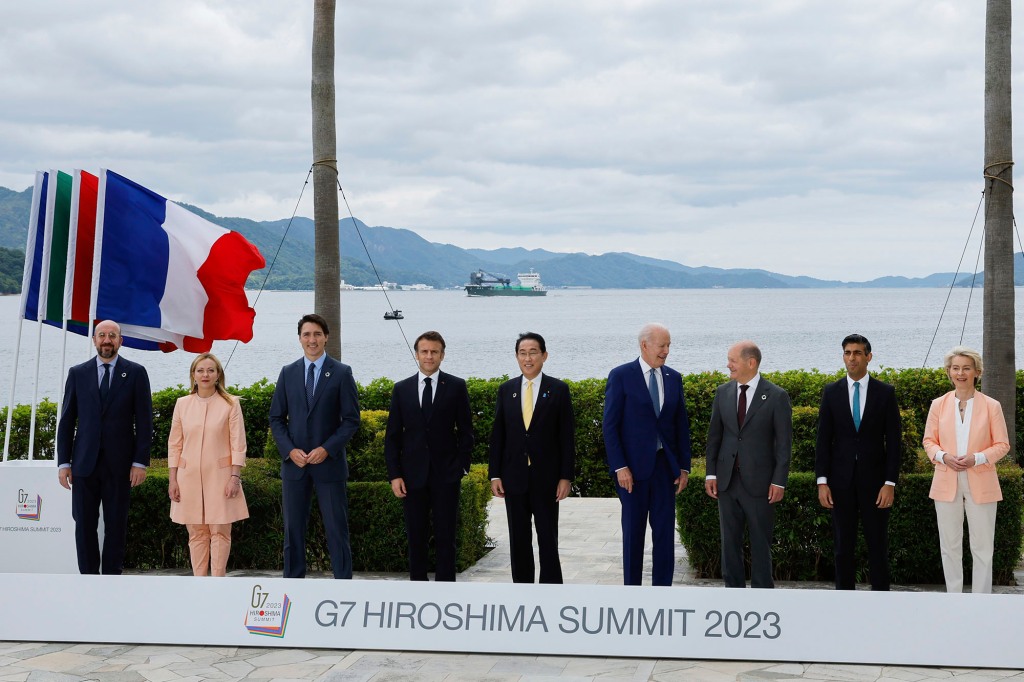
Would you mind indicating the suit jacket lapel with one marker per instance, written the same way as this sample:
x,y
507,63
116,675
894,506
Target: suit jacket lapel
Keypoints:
x,y
754,400
541,402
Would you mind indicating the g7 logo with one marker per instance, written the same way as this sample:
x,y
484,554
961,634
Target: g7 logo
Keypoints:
x,y
258,598
22,496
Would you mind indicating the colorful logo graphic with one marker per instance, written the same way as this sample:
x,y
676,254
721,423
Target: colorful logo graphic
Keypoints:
x,y
29,506
265,617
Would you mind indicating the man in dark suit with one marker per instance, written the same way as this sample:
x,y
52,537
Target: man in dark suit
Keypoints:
x,y
427,448
532,459
313,415
750,442
103,439
647,444
857,461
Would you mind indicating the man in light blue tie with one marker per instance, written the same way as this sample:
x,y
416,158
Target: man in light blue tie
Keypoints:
x,y
647,444
857,462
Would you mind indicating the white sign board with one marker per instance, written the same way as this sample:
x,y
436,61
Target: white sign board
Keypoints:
x,y
896,628
37,533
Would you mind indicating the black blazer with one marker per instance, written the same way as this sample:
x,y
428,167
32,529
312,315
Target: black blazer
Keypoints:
x,y
550,442
330,422
122,426
419,451
876,446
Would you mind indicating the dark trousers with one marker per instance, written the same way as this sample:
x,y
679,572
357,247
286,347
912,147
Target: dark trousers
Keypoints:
x,y
538,503
848,506
437,501
652,500
738,507
112,490
298,503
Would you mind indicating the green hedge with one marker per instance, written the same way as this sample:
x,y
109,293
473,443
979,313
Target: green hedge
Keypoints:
x,y
803,545
376,525
915,389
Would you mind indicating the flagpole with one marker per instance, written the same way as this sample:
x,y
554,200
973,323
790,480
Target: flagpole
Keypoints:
x,y
44,277
26,278
69,280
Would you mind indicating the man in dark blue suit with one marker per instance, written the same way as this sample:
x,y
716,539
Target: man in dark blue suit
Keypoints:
x,y
647,441
427,448
532,459
857,462
103,439
313,415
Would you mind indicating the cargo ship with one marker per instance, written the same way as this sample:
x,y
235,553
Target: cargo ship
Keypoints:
x,y
485,284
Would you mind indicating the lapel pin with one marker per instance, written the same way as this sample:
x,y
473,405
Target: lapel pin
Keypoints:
x,y
764,397
327,374
124,374
515,395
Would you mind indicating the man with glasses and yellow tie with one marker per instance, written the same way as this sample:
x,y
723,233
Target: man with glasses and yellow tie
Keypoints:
x,y
532,459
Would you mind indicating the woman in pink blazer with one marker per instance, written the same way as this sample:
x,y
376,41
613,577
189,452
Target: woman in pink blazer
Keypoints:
x,y
964,438
205,456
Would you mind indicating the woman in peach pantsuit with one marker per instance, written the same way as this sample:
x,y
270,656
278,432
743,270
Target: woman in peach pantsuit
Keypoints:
x,y
965,436
205,456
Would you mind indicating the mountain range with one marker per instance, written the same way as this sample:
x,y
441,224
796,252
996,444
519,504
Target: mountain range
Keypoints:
x,y
402,256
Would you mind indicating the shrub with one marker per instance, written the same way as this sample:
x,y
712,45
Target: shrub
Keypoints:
x,y
376,525
802,548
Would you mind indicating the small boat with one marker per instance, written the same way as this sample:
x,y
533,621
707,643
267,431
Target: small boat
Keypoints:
x,y
395,314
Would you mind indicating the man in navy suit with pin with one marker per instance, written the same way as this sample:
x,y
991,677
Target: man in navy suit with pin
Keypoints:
x,y
532,458
647,442
427,448
857,462
103,439
313,415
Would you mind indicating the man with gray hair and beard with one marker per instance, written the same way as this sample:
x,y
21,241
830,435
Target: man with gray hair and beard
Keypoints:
x,y
647,443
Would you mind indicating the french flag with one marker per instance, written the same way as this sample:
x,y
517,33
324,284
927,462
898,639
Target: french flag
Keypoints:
x,y
166,274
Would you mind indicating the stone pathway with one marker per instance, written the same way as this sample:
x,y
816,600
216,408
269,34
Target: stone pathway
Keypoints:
x,y
591,554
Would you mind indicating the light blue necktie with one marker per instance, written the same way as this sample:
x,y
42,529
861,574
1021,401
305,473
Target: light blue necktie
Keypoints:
x,y
652,384
856,405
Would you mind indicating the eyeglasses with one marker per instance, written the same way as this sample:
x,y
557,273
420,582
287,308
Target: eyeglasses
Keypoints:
x,y
529,354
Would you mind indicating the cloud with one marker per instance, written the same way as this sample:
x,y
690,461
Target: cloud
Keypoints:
x,y
798,136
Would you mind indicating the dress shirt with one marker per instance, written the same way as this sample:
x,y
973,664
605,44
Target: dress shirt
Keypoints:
x,y
658,376
751,389
421,384
99,370
536,387
863,392
963,431
318,365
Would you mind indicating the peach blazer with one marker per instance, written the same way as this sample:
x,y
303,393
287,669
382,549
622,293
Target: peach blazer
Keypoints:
x,y
988,436
207,437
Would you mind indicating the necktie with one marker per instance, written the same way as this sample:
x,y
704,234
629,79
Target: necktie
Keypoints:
x,y
310,384
741,413
528,404
105,382
427,404
856,405
652,386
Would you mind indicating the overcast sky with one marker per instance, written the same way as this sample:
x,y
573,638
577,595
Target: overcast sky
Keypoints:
x,y
837,140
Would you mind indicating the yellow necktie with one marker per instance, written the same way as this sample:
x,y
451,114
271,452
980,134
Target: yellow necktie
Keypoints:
x,y
528,404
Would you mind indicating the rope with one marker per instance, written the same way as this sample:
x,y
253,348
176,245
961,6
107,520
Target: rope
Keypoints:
x,y
1008,165
330,163
373,265
953,283
276,254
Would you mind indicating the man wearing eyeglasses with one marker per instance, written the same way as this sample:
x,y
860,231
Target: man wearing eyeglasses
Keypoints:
x,y
103,439
532,459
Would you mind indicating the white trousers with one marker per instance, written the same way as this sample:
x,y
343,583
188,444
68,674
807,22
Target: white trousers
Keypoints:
x,y
981,526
